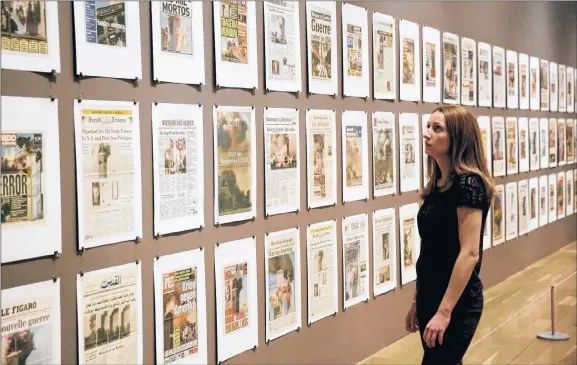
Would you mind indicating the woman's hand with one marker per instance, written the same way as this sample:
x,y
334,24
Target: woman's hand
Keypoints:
x,y
411,322
436,328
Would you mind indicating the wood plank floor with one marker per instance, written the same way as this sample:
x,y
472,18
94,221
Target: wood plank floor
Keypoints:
x,y
513,316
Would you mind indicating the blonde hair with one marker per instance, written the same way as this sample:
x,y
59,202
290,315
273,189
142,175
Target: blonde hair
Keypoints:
x,y
466,150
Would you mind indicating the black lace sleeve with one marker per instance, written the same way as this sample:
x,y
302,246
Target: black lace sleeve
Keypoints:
x,y
470,191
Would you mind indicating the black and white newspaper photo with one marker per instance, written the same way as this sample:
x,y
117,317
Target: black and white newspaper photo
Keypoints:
x,y
512,153
523,206
552,197
31,324
384,251
110,315
534,83
543,200
498,147
523,144
178,160
553,85
533,203
282,167
543,143
384,154
485,128
321,19
410,241
410,155
30,224
499,72
512,80
562,88
409,61
321,158
355,231
355,159
107,136
30,36
282,45
355,36
177,42
485,74
431,65
451,74
512,220
534,145
235,44
468,71
107,39
384,57
322,276
180,308
524,80
544,84
282,282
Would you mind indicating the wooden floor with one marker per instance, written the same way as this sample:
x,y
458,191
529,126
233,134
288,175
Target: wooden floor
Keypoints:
x,y
513,316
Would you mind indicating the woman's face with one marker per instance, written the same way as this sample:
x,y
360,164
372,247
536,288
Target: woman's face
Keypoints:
x,y
436,136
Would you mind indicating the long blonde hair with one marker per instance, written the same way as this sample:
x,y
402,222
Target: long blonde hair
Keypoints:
x,y
466,150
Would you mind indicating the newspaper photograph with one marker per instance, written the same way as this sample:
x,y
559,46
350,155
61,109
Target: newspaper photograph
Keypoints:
x,y
408,140
106,22
354,50
512,145
321,159
321,46
234,165
355,259
523,207
570,140
543,143
498,216
408,76
109,316
236,310
384,250
282,282
534,140
561,142
552,197
24,26
533,203
22,177
543,200
178,179
31,324
562,88
552,142
384,166
569,193
499,86
570,85
523,80
451,68
322,270
282,44
511,79
523,144
498,146
282,168
109,172
176,32
533,78
544,83
410,241
355,164
554,103
468,72
384,56
561,195
485,77
234,31
512,211
484,123
430,71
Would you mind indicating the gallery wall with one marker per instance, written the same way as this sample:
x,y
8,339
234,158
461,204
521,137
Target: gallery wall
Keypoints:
x,y
544,30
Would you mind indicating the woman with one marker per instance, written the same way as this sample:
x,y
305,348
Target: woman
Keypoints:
x,y
448,301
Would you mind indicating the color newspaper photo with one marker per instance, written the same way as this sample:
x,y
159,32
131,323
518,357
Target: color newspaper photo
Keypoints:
x,y
408,235
22,192
176,27
234,162
383,157
320,43
235,297
106,22
354,144
234,31
430,70
283,151
355,53
281,278
451,77
24,26
408,61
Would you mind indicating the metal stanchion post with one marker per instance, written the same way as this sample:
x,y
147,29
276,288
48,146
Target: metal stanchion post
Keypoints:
x,y
553,336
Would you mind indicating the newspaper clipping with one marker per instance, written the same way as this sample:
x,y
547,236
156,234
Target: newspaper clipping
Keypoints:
x,y
236,313
512,210
534,143
484,75
22,192
561,141
321,47
355,50
468,72
106,22
31,324
561,194
176,32
552,197
562,88
511,91
498,216
177,142
179,294
409,236
281,41
321,156
543,199
355,259
552,142
523,207
24,26
233,137
384,250
322,260
498,146
282,275
569,140
109,306
543,143
451,68
109,191
354,156
498,77
282,168
384,153
408,140
234,31
430,71
384,55
544,83
408,60
512,154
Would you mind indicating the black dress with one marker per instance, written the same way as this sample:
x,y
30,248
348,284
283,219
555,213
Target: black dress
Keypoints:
x,y
439,231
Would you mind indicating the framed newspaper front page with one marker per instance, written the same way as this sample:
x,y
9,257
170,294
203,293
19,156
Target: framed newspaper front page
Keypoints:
x,y
31,215
35,46
321,20
468,71
553,87
499,78
107,39
355,241
534,84
409,61
108,172
533,203
451,67
431,65
512,80
355,30
562,88
384,154
524,78
384,57
177,42
355,155
544,84
570,89
235,44
384,251
485,74
543,200
410,156
409,241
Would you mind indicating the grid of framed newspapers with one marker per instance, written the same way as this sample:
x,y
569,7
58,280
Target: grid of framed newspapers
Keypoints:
x,y
176,176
